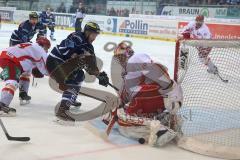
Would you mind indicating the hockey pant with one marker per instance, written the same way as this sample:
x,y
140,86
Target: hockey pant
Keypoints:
x,y
11,75
51,28
78,24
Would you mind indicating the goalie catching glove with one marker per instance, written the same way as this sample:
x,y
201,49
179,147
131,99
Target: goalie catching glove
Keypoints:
x,y
103,79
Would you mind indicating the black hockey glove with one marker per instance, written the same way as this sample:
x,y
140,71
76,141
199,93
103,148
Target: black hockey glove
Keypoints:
x,y
36,73
103,79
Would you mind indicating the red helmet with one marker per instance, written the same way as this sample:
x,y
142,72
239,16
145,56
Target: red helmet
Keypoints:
x,y
199,17
44,42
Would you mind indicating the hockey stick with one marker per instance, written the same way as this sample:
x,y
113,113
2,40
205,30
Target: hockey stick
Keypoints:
x,y
113,87
10,138
220,77
111,123
114,118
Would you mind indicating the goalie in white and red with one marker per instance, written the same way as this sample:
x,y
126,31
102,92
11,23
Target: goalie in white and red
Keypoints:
x,y
197,30
22,58
147,92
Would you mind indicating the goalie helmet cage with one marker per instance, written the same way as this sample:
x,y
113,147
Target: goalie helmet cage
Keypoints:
x,y
210,114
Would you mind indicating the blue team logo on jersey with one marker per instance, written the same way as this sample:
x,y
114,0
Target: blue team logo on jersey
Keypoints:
x,y
112,25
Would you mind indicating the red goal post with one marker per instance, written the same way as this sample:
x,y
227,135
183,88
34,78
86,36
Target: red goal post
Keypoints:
x,y
210,113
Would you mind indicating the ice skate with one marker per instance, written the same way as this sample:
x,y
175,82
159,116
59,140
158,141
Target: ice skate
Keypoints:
x,y
6,111
212,70
61,112
52,38
76,106
24,98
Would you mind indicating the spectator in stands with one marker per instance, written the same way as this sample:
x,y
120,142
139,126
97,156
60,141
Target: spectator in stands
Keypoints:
x,y
112,12
125,13
73,8
61,8
133,10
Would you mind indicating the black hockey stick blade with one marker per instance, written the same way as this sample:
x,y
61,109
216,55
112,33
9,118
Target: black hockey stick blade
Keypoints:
x,y
10,138
22,139
223,80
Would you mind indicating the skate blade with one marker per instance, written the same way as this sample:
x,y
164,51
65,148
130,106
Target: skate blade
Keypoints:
x,y
24,102
10,114
67,123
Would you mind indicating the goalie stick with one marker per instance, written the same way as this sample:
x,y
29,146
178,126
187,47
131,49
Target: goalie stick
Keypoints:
x,y
114,117
10,138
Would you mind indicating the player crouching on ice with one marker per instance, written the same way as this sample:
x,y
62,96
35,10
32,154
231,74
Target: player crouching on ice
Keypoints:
x,y
149,98
21,58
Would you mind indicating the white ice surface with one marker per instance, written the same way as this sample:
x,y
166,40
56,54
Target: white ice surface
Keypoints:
x,y
50,141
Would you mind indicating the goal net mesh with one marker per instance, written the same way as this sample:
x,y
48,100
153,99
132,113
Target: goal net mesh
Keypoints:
x,y
210,113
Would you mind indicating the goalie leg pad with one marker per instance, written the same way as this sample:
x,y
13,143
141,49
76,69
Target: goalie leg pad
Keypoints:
x,y
165,138
159,134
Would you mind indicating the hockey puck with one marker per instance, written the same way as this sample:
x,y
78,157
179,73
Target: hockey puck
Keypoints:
x,y
141,140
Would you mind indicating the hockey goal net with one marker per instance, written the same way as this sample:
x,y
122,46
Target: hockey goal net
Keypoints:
x,y
210,112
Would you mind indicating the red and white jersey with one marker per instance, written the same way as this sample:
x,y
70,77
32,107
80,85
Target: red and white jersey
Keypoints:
x,y
191,31
141,70
28,55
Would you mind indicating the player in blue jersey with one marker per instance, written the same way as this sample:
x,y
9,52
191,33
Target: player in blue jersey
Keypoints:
x,y
76,45
27,30
48,20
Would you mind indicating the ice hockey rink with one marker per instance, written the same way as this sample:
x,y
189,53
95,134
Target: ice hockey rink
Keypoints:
x,y
51,141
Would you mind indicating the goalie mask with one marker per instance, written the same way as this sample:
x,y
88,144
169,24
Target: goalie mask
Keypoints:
x,y
122,53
